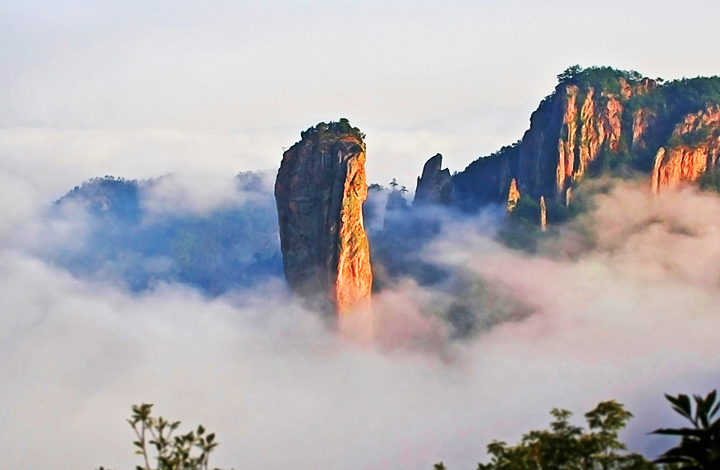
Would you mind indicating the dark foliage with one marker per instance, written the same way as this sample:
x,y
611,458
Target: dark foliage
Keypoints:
x,y
600,78
227,248
396,249
699,447
340,127
565,446
189,451
710,180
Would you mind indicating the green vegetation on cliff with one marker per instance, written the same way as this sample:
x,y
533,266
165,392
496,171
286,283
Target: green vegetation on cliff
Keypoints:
x,y
335,128
600,78
598,121
710,180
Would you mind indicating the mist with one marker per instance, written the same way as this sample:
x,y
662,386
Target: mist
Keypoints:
x,y
620,303
164,283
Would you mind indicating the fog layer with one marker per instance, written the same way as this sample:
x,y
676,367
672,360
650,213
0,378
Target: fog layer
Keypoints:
x,y
622,303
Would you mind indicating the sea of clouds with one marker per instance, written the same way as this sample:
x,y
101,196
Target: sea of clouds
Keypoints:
x,y
622,303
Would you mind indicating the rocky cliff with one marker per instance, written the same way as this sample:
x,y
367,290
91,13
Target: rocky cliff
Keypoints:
x,y
597,121
319,191
600,121
435,184
692,150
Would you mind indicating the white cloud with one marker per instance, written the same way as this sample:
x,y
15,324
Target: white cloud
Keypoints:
x,y
183,193
138,91
281,390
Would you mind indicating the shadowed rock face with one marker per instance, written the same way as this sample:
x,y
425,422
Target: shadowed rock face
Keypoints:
x,y
319,192
435,185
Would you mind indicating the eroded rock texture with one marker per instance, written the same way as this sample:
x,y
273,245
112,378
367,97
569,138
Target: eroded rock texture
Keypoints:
x,y
693,148
567,135
600,121
319,191
435,184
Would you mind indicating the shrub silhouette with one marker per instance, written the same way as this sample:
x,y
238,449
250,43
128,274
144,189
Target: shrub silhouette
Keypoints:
x,y
699,447
190,451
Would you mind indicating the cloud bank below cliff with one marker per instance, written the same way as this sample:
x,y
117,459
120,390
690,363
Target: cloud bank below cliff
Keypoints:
x,y
628,312
138,89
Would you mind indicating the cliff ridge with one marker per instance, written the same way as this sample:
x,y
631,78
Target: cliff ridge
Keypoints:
x,y
600,121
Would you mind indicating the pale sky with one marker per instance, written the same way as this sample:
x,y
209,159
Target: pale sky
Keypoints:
x,y
142,88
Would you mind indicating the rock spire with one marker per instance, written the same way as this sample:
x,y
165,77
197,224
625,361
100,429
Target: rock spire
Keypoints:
x,y
435,184
319,191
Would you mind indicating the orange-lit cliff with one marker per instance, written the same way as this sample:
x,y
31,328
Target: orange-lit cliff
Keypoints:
x,y
319,190
600,121
693,149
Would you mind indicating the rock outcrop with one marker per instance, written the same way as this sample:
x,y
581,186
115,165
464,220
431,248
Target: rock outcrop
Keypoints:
x,y
513,196
600,121
584,122
319,192
693,148
642,119
568,134
435,184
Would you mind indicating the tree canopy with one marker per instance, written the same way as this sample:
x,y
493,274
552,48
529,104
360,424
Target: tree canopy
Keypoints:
x,y
565,446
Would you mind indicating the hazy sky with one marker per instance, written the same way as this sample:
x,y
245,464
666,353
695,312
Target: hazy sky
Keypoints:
x,y
141,88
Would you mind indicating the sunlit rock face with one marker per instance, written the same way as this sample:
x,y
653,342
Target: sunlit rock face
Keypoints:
x,y
601,121
435,184
692,149
513,196
319,192
569,132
